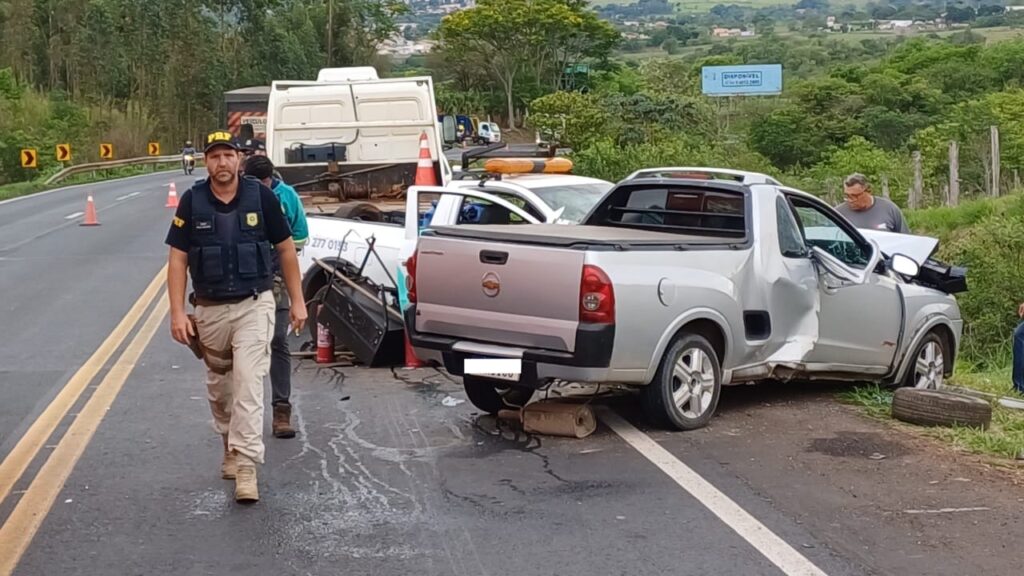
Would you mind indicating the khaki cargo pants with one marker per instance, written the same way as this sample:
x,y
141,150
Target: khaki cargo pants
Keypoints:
x,y
237,339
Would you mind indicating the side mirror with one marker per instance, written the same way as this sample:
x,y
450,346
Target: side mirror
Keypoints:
x,y
904,265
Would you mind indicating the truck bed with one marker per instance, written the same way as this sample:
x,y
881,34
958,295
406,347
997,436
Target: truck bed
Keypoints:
x,y
585,237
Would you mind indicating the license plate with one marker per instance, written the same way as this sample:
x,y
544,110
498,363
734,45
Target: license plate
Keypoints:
x,y
508,369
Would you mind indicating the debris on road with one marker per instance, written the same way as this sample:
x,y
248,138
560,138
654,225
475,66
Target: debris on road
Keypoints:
x,y
940,408
554,418
451,402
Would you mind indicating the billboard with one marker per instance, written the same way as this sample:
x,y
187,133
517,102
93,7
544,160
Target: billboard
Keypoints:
x,y
743,80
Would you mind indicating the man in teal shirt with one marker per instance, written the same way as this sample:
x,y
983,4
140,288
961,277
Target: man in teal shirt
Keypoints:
x,y
262,169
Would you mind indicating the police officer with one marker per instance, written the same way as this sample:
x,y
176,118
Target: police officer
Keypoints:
x,y
222,235
262,169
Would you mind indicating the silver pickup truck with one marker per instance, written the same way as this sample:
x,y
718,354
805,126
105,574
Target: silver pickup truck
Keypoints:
x,y
681,286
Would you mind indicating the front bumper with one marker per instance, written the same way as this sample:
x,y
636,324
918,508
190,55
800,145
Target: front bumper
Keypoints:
x,y
589,363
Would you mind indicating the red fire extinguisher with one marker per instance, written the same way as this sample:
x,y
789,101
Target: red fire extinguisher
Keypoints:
x,y
324,340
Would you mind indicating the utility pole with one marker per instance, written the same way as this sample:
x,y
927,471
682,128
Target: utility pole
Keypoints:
x,y
954,173
885,187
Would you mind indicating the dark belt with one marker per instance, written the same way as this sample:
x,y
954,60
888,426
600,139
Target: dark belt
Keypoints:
x,y
200,301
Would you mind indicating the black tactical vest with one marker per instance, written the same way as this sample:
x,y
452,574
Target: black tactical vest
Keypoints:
x,y
230,253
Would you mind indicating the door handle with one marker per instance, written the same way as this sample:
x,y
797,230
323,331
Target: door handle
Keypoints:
x,y
493,257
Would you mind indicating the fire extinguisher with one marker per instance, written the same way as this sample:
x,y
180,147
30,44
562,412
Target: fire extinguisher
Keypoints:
x,y
324,340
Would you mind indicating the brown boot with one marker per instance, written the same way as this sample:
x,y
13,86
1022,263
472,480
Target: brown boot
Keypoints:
x,y
283,421
246,485
229,467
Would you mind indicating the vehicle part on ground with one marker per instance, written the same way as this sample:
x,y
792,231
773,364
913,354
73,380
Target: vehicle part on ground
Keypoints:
x,y
552,418
928,371
362,319
686,387
940,408
492,396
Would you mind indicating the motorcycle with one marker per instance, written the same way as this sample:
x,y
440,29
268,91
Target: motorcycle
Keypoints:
x,y
188,162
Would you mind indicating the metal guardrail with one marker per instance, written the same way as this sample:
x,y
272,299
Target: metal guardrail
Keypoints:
x,y
97,166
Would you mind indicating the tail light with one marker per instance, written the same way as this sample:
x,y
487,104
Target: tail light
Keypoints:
x,y
410,265
597,296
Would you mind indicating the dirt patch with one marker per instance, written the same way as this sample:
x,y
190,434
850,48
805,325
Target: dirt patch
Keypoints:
x,y
871,445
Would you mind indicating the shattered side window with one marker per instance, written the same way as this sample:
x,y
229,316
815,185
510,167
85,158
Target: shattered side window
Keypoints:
x,y
791,241
822,231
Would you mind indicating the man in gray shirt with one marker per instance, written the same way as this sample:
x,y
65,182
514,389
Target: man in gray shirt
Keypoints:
x,y
864,210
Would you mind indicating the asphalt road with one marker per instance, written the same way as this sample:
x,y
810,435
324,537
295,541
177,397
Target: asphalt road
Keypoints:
x,y
394,473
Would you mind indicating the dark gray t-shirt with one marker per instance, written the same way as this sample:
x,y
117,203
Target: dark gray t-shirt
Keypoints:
x,y
883,215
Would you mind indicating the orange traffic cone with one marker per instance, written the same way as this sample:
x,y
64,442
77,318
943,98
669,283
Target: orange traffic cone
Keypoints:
x,y
411,361
172,197
90,213
425,166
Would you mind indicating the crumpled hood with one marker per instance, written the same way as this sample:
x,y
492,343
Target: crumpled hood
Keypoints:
x,y
918,248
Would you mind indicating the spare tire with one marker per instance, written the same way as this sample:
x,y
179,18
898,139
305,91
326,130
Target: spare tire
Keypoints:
x,y
359,211
940,408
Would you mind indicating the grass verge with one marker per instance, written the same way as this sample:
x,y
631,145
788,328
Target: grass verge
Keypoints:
x,y
16,189
1004,438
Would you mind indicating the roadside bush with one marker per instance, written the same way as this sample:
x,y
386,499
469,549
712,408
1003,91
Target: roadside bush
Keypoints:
x,y
30,119
608,160
993,252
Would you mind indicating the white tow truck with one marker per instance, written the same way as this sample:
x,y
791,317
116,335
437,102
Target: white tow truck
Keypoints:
x,y
351,143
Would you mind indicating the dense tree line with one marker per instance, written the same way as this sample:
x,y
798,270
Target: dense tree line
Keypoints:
x,y
129,70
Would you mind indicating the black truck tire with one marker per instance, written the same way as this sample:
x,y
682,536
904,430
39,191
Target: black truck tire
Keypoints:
x,y
940,408
359,211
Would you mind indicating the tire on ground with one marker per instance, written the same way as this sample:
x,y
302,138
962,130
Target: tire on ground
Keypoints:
x,y
491,396
940,408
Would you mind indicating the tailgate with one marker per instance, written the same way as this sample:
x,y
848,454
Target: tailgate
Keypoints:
x,y
507,293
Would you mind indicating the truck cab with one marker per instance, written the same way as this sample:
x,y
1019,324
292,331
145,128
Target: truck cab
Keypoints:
x,y
352,136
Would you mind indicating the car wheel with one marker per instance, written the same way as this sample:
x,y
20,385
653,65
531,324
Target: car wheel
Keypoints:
x,y
685,390
490,397
928,371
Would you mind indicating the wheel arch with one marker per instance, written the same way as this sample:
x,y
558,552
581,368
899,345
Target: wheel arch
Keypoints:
x,y
705,322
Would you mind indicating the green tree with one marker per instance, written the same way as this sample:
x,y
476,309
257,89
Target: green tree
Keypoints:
x,y
520,40
574,119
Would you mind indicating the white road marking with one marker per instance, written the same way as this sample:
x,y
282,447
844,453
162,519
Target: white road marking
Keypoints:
x,y
73,216
948,510
126,196
749,528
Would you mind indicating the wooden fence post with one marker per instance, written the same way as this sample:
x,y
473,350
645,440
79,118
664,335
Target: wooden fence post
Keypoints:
x,y
954,173
994,133
914,201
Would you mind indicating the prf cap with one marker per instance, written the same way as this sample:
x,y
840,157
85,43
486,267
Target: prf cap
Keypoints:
x,y
220,138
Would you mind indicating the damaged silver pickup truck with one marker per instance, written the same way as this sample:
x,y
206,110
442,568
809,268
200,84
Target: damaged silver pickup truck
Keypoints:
x,y
681,286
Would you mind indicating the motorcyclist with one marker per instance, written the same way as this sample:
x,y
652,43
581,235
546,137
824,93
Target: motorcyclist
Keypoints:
x,y
188,157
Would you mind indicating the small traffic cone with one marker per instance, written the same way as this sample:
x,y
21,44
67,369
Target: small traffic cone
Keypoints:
x,y
425,166
90,213
172,197
411,361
